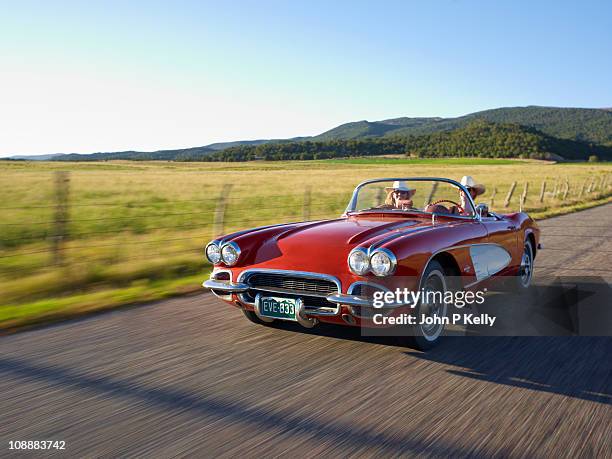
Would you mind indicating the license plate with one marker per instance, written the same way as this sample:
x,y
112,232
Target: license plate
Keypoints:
x,y
278,308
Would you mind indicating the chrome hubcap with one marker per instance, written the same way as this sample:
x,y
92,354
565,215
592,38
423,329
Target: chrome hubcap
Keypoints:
x,y
526,267
435,308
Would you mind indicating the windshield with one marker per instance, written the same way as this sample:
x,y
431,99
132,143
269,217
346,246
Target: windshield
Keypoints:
x,y
420,195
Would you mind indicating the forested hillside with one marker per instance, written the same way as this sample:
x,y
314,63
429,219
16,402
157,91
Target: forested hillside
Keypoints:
x,y
479,138
583,124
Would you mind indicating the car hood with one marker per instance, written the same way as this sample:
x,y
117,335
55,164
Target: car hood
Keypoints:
x,y
323,246
349,232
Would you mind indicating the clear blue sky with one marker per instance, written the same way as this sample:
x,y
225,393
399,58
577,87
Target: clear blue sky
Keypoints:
x,y
105,76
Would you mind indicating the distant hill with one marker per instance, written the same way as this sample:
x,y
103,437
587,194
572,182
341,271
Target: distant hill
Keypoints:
x,y
36,157
224,145
583,124
161,155
364,128
477,138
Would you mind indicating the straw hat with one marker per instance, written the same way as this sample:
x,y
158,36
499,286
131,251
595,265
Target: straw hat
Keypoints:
x,y
400,185
468,182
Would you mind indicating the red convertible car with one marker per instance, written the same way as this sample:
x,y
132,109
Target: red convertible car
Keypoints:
x,y
415,233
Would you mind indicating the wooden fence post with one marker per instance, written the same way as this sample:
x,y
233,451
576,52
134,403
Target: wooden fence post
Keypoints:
x,y
523,198
582,188
493,197
509,196
599,185
542,191
590,188
219,218
61,216
566,191
307,201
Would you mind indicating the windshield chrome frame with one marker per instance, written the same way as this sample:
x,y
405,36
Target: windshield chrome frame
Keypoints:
x,y
353,202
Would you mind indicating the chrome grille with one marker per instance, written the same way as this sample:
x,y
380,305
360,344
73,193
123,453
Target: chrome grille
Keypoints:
x,y
292,284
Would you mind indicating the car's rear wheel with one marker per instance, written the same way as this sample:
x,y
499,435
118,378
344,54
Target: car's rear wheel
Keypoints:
x,y
525,273
425,334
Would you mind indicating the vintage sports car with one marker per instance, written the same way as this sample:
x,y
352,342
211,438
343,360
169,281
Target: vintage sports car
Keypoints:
x,y
328,270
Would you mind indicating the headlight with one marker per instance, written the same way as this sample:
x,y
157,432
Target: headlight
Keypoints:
x,y
358,261
213,253
382,262
230,253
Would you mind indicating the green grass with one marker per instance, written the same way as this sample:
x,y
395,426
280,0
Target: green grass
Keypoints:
x,y
63,307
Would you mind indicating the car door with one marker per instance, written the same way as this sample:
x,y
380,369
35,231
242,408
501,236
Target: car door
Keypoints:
x,y
503,232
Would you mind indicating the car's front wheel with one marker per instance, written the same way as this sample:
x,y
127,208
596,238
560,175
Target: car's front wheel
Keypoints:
x,y
432,310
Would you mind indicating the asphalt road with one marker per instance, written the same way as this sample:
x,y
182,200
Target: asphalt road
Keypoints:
x,y
190,376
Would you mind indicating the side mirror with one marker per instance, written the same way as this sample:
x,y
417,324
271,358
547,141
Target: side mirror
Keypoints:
x,y
482,210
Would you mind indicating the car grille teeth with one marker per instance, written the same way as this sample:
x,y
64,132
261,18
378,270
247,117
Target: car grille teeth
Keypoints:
x,y
318,287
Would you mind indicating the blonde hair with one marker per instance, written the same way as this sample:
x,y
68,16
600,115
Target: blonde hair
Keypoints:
x,y
389,198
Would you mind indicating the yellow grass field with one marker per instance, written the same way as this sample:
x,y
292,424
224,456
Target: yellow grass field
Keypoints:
x,y
135,231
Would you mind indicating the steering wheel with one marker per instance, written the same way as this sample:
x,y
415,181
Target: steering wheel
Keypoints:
x,y
460,209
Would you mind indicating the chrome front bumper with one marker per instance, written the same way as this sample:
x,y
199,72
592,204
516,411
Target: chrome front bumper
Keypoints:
x,y
348,300
225,286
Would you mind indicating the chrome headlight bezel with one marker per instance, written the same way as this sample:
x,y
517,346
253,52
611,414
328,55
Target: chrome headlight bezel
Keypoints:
x,y
392,262
208,257
358,251
230,246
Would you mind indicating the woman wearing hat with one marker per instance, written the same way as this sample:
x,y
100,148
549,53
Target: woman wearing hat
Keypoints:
x,y
399,196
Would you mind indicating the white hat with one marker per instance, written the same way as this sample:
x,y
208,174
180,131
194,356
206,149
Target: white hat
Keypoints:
x,y
399,185
468,182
